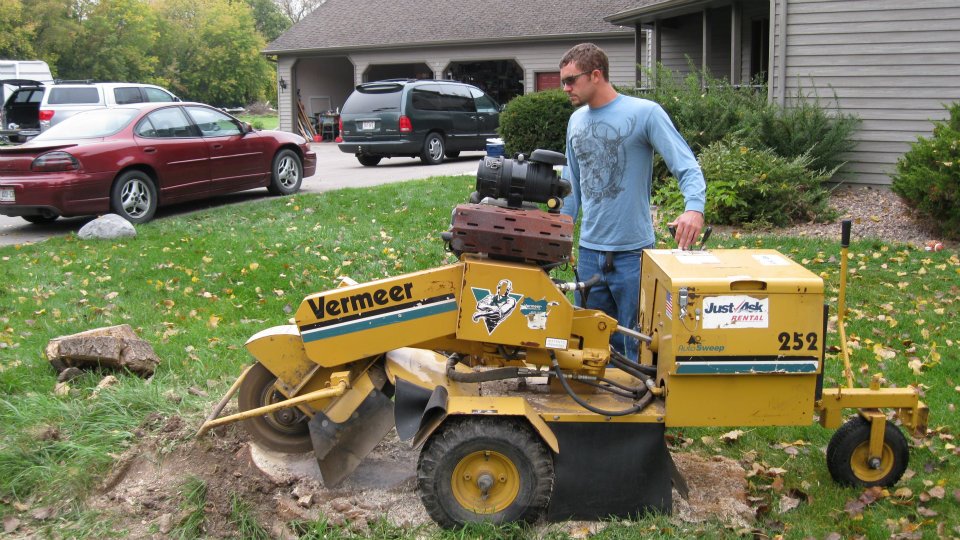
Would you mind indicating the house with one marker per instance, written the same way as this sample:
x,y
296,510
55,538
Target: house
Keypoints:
x,y
894,64
504,47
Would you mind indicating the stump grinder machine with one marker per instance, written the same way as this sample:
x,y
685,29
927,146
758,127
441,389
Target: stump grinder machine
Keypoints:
x,y
514,395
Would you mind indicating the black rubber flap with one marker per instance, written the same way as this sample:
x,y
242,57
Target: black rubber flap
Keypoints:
x,y
411,402
340,448
610,469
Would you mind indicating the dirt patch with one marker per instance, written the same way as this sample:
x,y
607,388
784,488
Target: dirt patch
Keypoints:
x,y
144,492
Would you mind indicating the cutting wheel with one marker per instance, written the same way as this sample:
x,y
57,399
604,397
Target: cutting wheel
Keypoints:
x,y
282,431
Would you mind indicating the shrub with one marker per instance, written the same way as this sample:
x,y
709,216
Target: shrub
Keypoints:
x,y
928,175
706,112
806,127
537,120
754,188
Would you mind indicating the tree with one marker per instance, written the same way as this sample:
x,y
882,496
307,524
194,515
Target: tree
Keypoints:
x,y
270,21
217,56
114,44
16,35
296,10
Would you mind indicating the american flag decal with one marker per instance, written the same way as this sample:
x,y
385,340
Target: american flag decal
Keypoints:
x,y
669,308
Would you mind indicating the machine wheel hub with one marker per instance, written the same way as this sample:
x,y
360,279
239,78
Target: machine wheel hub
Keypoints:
x,y
486,482
871,470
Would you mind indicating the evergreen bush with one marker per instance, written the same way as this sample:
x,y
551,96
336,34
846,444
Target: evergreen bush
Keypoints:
x,y
753,188
806,127
537,120
928,175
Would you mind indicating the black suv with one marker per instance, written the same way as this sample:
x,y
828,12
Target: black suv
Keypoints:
x,y
425,118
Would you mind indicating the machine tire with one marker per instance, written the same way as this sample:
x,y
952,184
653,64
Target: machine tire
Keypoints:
x,y
505,448
134,196
369,161
848,449
41,218
283,431
452,154
286,173
433,148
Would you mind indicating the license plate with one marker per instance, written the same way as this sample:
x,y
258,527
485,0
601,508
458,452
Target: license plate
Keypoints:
x,y
367,126
6,195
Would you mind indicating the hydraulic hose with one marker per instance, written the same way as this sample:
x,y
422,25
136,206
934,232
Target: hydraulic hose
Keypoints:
x,y
639,406
489,375
639,370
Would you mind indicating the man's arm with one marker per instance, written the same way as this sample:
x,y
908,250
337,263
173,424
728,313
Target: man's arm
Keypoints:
x,y
683,164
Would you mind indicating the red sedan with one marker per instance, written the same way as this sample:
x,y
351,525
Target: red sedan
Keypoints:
x,y
129,160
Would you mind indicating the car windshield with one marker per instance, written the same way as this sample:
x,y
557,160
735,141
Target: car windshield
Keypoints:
x,y
89,125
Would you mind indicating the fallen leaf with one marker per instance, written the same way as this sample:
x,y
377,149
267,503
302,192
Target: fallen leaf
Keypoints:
x,y
731,436
10,524
788,503
937,492
926,512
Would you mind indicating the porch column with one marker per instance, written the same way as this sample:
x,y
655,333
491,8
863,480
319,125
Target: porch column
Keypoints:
x,y
705,47
736,35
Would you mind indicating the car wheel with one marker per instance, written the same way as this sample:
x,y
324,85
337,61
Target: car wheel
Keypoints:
x,y
287,173
369,161
432,153
41,218
134,197
452,153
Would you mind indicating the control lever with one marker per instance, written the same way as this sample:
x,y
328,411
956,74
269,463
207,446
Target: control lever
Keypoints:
x,y
703,239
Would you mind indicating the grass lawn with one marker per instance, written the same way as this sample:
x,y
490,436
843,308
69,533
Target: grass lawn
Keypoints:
x,y
197,286
261,121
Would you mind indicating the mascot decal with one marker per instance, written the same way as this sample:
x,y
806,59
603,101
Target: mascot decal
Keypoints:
x,y
494,307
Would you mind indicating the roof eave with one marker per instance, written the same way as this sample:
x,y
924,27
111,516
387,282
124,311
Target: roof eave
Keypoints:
x,y
625,33
630,16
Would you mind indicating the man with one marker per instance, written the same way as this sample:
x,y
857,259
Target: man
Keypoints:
x,y
610,144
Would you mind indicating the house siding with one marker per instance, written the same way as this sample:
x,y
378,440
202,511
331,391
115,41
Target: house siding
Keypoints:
x,y
894,64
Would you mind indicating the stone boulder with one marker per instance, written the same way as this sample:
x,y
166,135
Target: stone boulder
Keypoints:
x,y
115,347
107,227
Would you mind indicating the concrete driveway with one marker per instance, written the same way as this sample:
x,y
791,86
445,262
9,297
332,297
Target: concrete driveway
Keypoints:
x,y
335,170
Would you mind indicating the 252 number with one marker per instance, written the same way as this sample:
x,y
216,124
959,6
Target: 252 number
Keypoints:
x,y
797,341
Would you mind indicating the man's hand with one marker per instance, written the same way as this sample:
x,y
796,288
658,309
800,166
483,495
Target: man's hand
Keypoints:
x,y
688,225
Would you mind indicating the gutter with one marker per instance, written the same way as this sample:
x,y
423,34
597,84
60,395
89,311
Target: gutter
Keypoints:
x,y
629,16
625,33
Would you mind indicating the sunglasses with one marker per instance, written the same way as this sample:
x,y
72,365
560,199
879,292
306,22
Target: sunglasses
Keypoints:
x,y
569,81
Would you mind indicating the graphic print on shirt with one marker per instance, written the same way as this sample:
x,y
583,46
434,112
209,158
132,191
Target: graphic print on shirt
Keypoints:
x,y
601,155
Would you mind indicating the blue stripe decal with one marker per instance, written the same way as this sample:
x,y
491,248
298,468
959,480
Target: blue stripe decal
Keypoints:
x,y
725,368
386,319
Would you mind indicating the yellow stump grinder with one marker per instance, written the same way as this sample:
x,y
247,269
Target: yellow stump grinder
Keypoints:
x,y
514,395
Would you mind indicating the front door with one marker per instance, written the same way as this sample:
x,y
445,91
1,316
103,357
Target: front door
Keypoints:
x,y
237,161
464,133
172,145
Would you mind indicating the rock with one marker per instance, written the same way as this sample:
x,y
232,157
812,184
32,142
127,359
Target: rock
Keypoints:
x,y
165,523
116,347
306,501
69,374
107,227
280,531
299,491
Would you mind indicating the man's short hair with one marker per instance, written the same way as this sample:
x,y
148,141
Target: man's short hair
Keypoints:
x,y
588,57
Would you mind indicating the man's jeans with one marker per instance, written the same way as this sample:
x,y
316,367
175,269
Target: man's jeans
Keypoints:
x,y
617,294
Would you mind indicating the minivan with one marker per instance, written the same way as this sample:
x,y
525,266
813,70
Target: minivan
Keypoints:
x,y
34,107
429,119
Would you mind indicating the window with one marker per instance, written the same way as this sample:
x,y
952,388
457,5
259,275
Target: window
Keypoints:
x,y
60,96
90,124
427,98
213,123
166,123
485,103
127,94
28,96
457,98
157,95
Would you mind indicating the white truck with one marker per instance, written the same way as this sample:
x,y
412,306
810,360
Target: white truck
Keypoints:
x,y
14,76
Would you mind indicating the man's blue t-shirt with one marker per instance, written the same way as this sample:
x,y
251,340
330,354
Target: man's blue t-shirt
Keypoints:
x,y
610,164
